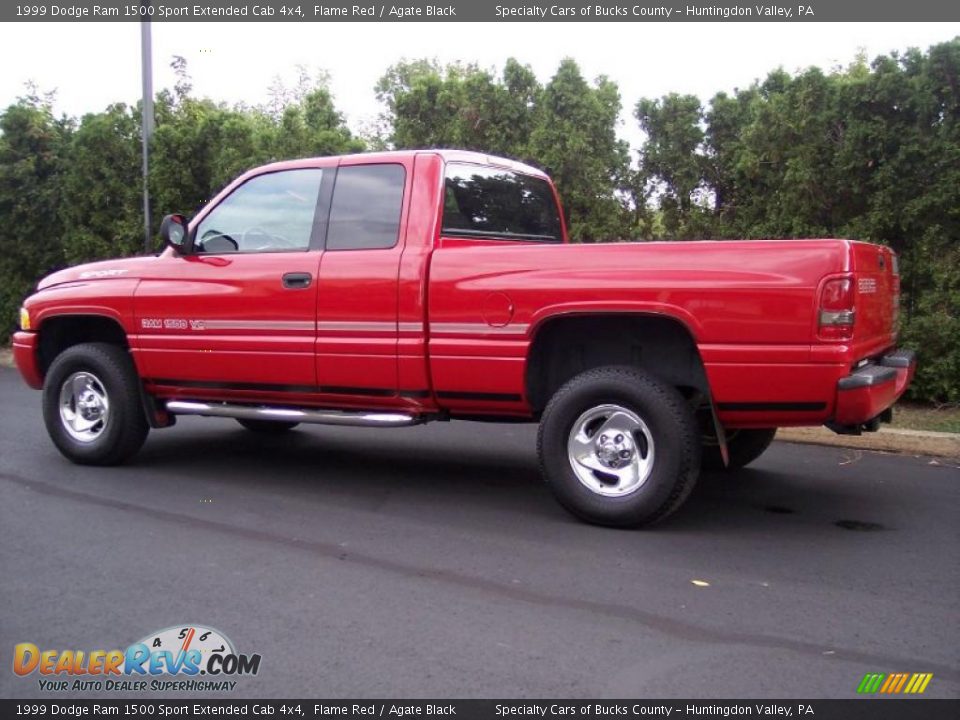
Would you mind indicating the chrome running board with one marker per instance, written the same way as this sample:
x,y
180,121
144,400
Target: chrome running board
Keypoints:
x,y
303,415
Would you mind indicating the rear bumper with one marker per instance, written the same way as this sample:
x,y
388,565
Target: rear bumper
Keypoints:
x,y
25,355
869,391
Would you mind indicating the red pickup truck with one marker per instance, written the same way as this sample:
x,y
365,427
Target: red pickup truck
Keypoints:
x,y
389,289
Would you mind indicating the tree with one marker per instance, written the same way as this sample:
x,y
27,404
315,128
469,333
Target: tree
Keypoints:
x,y
310,128
673,154
459,106
575,141
568,128
199,146
725,149
101,198
32,145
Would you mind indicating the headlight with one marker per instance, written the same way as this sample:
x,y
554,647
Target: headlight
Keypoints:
x,y
24,319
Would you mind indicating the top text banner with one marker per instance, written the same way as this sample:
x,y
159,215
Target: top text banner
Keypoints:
x,y
481,11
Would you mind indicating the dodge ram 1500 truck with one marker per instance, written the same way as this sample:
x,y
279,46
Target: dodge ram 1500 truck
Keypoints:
x,y
389,289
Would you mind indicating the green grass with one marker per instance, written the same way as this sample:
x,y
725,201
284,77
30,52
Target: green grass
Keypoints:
x,y
912,416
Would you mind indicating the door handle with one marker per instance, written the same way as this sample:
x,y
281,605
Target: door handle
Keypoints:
x,y
297,280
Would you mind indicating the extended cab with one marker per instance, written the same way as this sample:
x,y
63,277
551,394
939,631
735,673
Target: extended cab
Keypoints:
x,y
389,289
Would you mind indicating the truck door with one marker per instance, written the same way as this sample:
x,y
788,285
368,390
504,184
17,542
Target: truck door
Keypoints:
x,y
357,331
239,313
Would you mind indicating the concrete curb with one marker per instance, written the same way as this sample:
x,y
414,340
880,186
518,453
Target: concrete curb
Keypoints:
x,y
6,357
919,433
893,440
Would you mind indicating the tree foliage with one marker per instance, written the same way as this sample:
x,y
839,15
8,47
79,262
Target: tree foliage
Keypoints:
x,y
870,151
101,208
459,106
575,141
672,158
567,127
32,150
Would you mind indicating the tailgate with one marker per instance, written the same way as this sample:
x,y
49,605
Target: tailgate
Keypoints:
x,y
877,291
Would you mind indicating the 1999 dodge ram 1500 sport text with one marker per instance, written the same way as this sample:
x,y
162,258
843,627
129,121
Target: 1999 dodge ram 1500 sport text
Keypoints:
x,y
391,289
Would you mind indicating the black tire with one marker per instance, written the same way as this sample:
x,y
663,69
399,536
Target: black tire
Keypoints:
x,y
668,422
267,427
743,447
125,428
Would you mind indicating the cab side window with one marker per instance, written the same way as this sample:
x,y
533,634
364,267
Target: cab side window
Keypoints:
x,y
365,212
268,213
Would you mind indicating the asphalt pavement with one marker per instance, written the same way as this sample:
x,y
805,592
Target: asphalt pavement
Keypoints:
x,y
432,562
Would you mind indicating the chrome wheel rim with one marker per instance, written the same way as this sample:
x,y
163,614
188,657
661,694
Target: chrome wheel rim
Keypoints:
x,y
84,406
611,450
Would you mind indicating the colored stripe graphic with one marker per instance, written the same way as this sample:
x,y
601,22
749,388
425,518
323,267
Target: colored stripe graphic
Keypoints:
x,y
918,683
870,683
894,683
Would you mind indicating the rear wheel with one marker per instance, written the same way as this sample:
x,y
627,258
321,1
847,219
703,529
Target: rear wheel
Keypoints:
x,y
267,427
619,447
91,404
743,447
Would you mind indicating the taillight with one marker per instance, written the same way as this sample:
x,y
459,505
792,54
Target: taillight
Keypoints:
x,y
837,312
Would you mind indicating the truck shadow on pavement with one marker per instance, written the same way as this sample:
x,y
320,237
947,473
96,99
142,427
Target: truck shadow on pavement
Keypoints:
x,y
493,469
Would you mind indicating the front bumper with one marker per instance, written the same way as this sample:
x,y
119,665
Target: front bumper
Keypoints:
x,y
25,355
869,391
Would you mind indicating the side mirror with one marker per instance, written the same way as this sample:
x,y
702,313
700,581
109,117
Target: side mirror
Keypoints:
x,y
174,232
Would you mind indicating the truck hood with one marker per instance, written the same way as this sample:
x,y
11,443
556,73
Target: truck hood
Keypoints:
x,y
104,270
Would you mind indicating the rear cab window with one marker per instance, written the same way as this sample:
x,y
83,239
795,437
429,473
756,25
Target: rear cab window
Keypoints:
x,y
494,203
366,208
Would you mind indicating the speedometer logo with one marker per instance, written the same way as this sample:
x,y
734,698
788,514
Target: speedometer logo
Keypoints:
x,y
195,646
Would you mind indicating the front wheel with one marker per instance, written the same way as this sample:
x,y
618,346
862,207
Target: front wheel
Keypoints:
x,y
619,447
91,405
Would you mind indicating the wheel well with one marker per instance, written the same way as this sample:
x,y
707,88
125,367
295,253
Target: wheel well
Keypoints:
x,y
567,346
59,333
